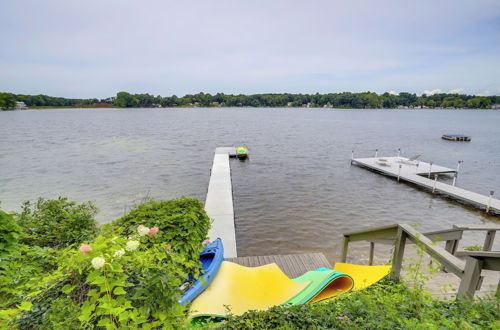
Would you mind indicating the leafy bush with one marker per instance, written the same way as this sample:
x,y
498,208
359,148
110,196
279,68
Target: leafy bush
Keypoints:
x,y
183,223
9,235
126,277
387,305
57,223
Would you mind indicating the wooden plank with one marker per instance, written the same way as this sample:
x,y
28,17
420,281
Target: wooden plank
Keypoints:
x,y
293,265
374,233
292,269
477,227
445,235
491,260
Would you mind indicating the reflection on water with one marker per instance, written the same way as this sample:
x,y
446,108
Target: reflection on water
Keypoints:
x,y
296,193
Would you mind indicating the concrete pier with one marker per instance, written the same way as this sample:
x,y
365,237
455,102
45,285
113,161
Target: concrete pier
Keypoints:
x,y
418,175
219,202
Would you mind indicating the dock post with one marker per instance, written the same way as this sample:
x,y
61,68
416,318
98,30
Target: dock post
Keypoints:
x,y
435,181
489,201
456,172
352,156
399,152
416,168
399,171
376,153
430,168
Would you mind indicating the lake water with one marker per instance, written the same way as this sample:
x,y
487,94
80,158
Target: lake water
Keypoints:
x,y
296,193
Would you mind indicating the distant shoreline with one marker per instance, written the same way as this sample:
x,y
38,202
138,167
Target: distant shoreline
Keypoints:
x,y
344,100
243,107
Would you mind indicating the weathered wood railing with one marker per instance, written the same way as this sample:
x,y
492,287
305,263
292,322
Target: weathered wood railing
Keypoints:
x,y
469,271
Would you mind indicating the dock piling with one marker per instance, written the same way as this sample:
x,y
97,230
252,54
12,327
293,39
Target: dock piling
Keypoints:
x,y
399,152
376,153
489,201
456,172
399,171
435,182
430,170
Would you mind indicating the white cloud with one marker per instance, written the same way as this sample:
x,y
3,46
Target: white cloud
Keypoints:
x,y
432,91
457,91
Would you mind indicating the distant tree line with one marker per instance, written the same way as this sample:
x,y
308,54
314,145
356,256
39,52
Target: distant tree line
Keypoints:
x,y
7,101
366,100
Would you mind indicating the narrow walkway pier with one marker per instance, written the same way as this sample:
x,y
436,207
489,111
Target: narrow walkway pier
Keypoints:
x,y
219,201
420,174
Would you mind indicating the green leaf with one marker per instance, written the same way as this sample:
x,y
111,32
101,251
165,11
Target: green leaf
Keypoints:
x,y
25,306
119,290
67,288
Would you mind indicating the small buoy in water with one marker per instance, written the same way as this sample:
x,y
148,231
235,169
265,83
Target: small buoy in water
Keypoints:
x,y
242,153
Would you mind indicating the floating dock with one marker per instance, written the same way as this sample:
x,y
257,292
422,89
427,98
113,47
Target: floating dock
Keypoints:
x,y
219,201
411,172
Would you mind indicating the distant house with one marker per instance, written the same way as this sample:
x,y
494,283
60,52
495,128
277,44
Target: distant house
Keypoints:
x,y
21,106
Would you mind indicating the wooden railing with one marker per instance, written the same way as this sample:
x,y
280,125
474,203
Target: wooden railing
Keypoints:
x,y
469,271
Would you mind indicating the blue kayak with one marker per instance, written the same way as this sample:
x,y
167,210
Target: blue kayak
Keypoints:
x,y
211,258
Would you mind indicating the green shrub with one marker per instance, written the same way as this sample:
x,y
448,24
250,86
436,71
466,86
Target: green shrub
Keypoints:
x,y
57,223
183,223
9,235
386,305
123,278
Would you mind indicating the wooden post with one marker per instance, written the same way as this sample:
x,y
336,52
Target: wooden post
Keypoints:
x,y
470,279
376,153
489,201
488,241
344,250
399,249
399,171
372,251
451,247
352,156
430,168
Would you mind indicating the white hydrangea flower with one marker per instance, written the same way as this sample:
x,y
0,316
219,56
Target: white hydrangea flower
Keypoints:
x,y
142,230
98,262
119,253
132,245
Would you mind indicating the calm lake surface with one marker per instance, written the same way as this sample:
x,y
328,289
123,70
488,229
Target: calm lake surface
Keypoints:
x,y
296,193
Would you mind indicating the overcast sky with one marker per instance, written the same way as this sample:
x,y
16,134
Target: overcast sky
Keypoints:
x,y
95,48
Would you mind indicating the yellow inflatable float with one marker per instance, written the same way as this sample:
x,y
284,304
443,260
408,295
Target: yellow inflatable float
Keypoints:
x,y
237,289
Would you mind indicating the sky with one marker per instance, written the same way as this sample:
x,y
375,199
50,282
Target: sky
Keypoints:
x,y
96,48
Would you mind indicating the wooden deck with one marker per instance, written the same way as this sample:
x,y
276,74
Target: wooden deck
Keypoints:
x,y
413,174
293,265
